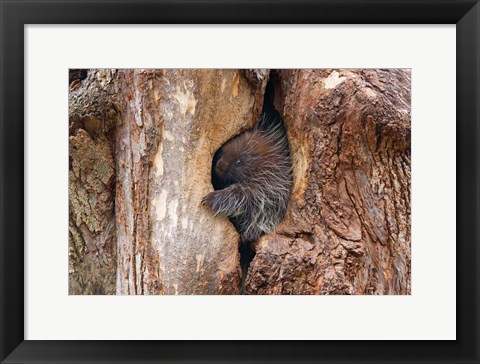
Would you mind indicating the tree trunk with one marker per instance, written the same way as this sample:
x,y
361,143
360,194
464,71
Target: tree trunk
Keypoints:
x,y
141,149
92,236
347,229
173,121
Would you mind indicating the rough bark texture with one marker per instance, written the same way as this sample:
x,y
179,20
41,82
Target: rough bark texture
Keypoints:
x,y
141,148
173,121
347,230
92,238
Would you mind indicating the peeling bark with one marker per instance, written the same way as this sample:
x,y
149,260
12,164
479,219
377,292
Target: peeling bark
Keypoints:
x,y
92,237
173,121
347,229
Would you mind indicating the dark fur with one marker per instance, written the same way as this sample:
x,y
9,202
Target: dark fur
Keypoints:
x,y
254,172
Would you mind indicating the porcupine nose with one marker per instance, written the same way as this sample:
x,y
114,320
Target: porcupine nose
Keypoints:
x,y
221,167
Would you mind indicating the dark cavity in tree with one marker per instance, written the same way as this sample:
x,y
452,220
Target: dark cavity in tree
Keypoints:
x,y
270,120
76,74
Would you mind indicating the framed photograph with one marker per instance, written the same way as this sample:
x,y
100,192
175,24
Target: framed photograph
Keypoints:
x,y
239,182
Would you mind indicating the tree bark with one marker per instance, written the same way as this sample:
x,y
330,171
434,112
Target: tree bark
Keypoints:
x,y
141,149
173,121
347,229
92,236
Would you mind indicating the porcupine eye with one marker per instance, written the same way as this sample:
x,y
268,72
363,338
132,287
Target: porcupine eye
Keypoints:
x,y
237,162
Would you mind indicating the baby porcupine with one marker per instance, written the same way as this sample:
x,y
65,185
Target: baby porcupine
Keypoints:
x,y
253,177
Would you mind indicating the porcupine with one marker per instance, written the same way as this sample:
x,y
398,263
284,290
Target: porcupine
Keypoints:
x,y
253,177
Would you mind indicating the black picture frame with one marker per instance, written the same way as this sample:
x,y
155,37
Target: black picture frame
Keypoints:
x,y
15,14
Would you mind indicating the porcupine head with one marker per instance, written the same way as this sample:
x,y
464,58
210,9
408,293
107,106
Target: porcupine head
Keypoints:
x,y
252,175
